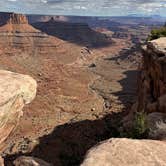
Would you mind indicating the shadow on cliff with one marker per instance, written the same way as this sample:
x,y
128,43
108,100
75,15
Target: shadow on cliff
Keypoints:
x,y
128,94
124,53
78,33
68,143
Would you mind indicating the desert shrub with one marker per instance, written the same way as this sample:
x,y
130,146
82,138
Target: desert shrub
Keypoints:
x,y
140,126
157,33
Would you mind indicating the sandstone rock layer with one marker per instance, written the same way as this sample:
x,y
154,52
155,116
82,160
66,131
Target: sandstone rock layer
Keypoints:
x,y
127,152
16,90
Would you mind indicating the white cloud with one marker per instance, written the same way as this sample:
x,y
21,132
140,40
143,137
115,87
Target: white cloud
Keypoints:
x,y
85,7
12,0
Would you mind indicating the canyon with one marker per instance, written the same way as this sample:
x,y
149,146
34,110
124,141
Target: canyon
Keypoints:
x,y
86,82
151,100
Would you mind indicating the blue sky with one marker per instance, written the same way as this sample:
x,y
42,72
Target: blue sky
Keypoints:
x,y
86,7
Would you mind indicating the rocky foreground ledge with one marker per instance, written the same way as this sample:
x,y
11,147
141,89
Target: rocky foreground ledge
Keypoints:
x,y
127,152
16,90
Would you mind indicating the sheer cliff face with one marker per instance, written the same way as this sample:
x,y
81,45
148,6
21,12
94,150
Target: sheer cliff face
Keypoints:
x,y
152,90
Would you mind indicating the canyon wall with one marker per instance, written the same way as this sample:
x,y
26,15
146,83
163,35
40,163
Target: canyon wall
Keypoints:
x,y
16,90
152,90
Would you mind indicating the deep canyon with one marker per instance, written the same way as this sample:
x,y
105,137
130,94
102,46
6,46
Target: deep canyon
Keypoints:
x,y
88,78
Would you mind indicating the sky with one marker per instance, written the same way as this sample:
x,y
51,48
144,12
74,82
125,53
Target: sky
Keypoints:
x,y
85,7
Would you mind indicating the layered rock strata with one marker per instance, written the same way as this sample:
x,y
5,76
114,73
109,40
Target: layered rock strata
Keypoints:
x,y
15,32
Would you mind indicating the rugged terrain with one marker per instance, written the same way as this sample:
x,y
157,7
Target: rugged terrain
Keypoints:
x,y
81,88
151,101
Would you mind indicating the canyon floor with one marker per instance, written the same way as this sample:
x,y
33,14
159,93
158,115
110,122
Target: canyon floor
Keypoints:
x,y
60,126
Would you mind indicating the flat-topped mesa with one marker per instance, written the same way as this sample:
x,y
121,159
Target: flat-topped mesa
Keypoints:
x,y
17,19
12,18
152,90
16,90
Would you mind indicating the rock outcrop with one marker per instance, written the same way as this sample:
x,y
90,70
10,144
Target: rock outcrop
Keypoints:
x,y
152,90
127,152
30,161
16,90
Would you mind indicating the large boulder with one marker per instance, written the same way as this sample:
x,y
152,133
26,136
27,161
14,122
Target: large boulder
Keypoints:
x,y
30,161
127,152
16,90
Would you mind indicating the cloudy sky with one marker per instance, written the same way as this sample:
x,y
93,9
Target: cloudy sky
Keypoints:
x,y
86,7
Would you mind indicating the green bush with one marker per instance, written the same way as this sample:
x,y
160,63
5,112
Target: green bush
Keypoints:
x,y
157,33
140,127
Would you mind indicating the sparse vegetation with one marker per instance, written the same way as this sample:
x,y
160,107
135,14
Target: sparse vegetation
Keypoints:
x,y
140,127
157,33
